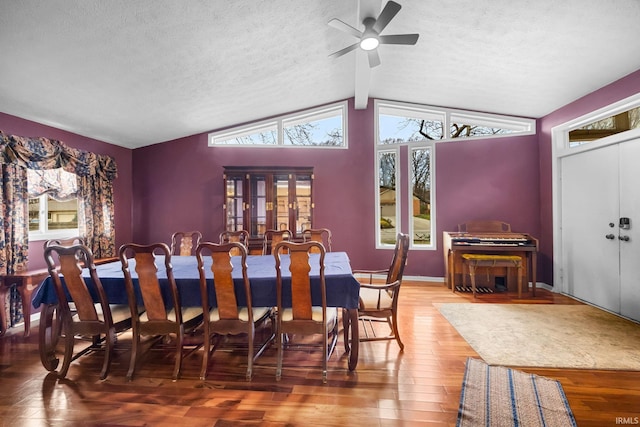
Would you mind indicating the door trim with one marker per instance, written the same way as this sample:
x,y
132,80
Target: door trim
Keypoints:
x,y
559,150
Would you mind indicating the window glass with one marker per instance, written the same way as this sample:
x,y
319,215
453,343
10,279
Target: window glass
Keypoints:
x,y
401,123
323,127
34,214
387,197
322,132
421,196
603,128
261,134
399,129
62,215
460,130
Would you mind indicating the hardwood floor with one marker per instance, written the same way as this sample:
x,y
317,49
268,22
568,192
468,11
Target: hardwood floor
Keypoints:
x,y
418,387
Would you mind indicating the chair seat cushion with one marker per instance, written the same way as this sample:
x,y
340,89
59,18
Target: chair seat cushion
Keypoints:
x,y
243,314
316,314
188,314
369,299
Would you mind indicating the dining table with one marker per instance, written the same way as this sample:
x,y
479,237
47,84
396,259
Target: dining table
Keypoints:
x,y
342,290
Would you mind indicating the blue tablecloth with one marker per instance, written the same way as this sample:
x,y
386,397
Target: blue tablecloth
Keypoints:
x,y
342,288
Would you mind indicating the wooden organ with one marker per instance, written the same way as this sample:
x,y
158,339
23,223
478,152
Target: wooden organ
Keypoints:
x,y
507,243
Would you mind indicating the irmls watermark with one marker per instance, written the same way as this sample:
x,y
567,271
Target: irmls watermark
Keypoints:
x,y
627,420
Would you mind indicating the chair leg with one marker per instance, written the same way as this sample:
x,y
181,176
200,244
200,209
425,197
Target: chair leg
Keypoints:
x,y
68,349
135,344
345,328
325,348
178,365
205,355
110,340
279,344
396,334
250,355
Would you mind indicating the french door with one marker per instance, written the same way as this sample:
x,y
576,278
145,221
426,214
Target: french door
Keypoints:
x,y
601,259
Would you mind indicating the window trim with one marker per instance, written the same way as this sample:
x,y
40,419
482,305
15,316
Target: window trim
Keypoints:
x,y
560,133
279,123
526,126
519,126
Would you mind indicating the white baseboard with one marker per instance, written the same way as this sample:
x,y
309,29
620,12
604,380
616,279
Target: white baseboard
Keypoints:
x,y
539,285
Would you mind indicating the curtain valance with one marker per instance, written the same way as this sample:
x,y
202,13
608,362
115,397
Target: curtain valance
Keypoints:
x,y
45,153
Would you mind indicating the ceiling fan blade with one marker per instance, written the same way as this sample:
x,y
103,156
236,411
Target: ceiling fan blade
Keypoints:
x,y
343,26
345,50
374,58
400,39
390,10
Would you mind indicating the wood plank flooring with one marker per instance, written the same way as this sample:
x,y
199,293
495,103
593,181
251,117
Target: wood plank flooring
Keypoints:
x,y
418,387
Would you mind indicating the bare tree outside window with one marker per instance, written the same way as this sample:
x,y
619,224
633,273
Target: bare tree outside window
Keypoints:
x,y
313,133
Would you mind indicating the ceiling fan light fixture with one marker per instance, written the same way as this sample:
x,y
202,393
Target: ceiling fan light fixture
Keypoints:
x,y
369,42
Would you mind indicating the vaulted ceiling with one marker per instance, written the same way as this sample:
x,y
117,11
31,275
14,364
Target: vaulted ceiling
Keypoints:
x,y
135,73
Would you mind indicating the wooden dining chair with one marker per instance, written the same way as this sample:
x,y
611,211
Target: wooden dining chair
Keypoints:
x,y
184,243
302,317
322,235
160,318
379,302
233,313
272,238
69,241
240,236
98,320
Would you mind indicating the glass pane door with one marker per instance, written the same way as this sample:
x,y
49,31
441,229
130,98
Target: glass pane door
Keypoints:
x,y
258,205
234,220
281,205
303,203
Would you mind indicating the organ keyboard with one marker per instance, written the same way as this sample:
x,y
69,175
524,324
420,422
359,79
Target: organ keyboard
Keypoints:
x,y
457,243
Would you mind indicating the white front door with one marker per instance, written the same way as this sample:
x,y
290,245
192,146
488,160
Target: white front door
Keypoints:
x,y
590,216
630,249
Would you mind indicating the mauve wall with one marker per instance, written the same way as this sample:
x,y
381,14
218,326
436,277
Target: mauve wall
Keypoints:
x,y
616,91
177,185
122,184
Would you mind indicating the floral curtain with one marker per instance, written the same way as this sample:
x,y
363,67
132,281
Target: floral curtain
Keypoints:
x,y
95,174
58,184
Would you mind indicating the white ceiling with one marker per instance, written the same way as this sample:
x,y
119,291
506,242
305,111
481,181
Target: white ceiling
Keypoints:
x,y
135,73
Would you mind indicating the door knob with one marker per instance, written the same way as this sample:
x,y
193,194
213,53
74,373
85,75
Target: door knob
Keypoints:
x,y
610,236
624,238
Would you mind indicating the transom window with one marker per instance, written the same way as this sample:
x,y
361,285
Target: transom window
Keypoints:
x,y
602,128
323,127
402,123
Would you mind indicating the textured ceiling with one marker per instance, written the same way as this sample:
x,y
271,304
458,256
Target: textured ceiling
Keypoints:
x,y
135,73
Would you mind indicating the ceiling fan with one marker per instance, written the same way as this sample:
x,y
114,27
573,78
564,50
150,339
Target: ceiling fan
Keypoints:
x,y
370,38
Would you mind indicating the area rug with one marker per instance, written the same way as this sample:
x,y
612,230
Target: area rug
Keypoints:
x,y
499,396
547,335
